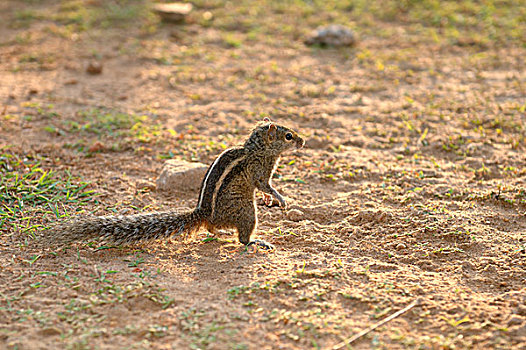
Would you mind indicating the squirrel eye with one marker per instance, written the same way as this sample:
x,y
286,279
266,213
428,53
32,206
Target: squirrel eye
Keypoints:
x,y
288,136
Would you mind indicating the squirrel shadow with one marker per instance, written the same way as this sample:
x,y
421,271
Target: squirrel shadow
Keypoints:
x,y
202,257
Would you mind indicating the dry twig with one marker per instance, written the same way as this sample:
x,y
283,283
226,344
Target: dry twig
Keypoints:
x,y
376,325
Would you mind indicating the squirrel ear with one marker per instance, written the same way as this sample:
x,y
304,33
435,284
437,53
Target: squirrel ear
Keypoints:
x,y
266,119
271,133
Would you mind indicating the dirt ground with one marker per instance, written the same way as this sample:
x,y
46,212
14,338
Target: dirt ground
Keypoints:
x,y
411,185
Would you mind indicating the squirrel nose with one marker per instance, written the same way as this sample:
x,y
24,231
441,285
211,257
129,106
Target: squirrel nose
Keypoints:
x,y
300,143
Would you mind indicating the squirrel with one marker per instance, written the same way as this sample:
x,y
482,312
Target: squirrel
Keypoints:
x,y
226,198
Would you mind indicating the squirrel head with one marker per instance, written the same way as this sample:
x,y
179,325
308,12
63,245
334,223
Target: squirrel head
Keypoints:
x,y
273,137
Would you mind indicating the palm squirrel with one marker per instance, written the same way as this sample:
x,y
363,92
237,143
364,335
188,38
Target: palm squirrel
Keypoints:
x,y
226,199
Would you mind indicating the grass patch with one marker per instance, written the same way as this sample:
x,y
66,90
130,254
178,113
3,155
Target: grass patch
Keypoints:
x,y
97,121
139,128
29,193
111,13
466,22
82,15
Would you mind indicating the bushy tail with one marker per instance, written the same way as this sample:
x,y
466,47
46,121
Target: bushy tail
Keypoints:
x,y
122,229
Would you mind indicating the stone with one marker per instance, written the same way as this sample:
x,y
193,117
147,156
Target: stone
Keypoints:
x,y
331,35
521,310
400,246
295,215
94,68
515,320
207,16
173,12
50,331
181,176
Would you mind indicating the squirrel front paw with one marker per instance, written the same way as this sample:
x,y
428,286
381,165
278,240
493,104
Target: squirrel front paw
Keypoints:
x,y
267,199
270,201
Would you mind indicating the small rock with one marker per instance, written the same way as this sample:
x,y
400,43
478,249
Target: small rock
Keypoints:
x,y
515,321
519,332
173,12
295,215
50,331
400,246
332,35
207,16
180,176
94,68
454,310
419,291
467,266
521,310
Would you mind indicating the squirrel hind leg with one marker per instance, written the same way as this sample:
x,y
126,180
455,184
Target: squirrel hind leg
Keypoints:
x,y
211,228
261,243
189,235
246,225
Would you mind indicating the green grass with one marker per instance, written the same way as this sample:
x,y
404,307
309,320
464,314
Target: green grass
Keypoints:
x,y
29,193
470,22
84,16
140,128
24,18
98,122
103,123
467,23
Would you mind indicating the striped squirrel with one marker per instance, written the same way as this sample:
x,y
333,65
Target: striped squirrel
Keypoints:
x,y
226,199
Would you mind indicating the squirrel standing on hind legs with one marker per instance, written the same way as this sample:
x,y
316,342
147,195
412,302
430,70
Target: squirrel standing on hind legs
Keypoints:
x,y
226,199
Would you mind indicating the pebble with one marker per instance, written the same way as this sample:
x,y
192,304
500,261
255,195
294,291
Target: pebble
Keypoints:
x,y
207,16
521,310
295,215
50,331
331,35
94,68
515,320
173,12
400,246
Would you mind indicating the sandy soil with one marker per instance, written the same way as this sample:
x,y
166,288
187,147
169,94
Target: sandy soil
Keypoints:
x,y
411,185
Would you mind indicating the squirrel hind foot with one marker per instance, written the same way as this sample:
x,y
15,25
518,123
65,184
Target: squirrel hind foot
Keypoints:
x,y
261,244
